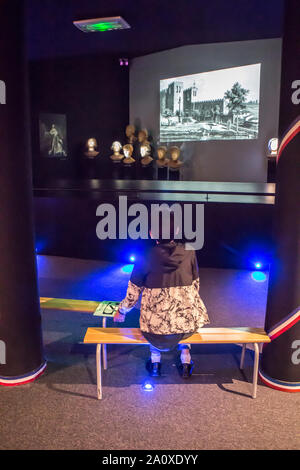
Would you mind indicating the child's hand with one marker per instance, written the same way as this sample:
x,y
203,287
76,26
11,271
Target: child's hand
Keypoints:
x,y
119,317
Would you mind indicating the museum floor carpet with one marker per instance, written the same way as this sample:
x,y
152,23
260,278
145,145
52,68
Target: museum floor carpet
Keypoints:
x,y
214,410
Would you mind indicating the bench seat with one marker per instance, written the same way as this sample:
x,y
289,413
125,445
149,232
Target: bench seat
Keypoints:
x,y
242,335
85,306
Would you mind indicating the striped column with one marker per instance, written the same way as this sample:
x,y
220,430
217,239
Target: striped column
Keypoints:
x,y
21,350
280,364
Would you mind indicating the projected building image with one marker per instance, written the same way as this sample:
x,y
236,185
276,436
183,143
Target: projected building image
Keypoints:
x,y
218,105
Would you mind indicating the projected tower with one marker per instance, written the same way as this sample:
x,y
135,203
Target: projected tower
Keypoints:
x,y
174,98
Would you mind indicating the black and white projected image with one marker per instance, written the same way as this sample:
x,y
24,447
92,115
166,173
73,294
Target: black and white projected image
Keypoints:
x,y
53,135
218,105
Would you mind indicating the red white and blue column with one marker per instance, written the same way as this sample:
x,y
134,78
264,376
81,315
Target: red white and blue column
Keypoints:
x,y
21,349
280,364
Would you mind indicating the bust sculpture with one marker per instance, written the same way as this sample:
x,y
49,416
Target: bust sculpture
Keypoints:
x,y
91,146
174,163
130,134
162,161
143,136
128,150
145,154
116,147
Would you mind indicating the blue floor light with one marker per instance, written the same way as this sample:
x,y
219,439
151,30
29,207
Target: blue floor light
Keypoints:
x,y
148,386
132,258
258,276
127,269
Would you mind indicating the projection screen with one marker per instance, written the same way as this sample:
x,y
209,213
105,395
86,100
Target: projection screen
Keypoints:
x,y
216,105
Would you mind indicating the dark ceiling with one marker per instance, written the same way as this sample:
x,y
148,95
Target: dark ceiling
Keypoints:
x,y
155,25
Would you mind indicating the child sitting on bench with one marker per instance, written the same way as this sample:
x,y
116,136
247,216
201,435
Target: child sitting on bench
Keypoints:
x,y
171,307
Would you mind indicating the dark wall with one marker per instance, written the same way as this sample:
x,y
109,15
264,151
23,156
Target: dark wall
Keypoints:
x,y
93,93
235,235
242,160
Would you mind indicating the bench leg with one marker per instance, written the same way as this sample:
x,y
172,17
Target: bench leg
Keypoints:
x,y
104,348
243,357
104,356
255,369
99,378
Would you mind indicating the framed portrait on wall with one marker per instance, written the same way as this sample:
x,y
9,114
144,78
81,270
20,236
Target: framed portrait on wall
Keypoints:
x,y
53,135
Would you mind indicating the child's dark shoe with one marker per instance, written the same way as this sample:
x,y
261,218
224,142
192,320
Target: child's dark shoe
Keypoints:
x,y
187,370
154,368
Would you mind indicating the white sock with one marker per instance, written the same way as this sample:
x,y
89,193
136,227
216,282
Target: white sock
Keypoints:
x,y
185,356
155,357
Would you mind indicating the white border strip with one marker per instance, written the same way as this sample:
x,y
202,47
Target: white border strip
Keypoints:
x,y
279,384
286,323
23,379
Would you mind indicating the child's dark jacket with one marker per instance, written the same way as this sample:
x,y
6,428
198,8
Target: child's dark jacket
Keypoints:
x,y
168,279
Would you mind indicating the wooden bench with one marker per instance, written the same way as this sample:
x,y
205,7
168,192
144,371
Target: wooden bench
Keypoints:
x,y
73,305
244,336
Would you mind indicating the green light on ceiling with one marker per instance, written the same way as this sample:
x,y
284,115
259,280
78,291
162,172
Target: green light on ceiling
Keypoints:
x,y
104,26
94,25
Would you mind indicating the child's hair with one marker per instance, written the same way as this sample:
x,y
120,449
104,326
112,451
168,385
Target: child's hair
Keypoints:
x,y
163,217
